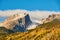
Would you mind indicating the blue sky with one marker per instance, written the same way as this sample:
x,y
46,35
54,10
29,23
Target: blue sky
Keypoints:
x,y
50,5
44,5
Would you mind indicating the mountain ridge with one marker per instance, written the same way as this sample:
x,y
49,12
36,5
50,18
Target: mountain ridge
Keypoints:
x,y
17,20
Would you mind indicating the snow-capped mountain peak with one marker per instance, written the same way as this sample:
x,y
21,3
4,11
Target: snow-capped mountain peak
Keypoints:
x,y
17,22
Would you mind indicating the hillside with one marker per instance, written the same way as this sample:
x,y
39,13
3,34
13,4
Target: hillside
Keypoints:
x,y
47,31
4,32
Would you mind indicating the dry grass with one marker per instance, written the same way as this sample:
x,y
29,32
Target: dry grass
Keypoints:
x,y
48,31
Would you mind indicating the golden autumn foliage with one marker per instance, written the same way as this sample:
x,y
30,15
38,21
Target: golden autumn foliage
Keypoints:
x,y
47,31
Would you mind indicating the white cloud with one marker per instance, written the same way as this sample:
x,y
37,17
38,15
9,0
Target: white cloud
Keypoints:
x,y
34,15
10,12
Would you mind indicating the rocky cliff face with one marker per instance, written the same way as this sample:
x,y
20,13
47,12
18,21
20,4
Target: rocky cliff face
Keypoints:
x,y
18,22
51,18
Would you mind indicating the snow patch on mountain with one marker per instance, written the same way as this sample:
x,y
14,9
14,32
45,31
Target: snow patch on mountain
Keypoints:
x,y
32,26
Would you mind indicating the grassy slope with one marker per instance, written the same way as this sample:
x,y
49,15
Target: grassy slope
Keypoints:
x,y
4,32
47,31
